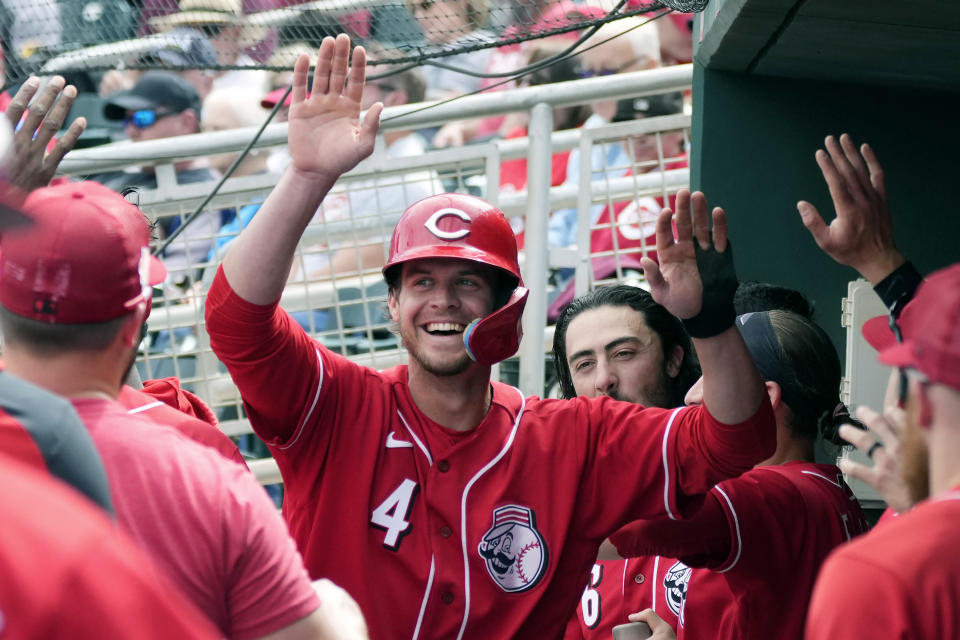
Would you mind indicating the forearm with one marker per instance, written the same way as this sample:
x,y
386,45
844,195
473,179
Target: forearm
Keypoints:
x,y
704,539
259,260
732,388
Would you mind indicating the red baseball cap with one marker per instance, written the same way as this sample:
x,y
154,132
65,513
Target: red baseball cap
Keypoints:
x,y
85,259
876,331
932,345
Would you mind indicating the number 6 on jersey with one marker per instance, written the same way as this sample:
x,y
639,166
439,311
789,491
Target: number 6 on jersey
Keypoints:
x,y
393,513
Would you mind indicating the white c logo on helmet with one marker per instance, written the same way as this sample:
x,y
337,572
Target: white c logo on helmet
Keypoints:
x,y
431,224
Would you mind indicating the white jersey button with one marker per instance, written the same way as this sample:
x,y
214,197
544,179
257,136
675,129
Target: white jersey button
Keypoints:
x,y
638,578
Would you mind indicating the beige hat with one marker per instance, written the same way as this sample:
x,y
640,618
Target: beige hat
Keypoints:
x,y
201,12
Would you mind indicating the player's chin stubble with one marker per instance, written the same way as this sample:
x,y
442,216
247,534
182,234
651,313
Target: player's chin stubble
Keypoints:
x,y
436,366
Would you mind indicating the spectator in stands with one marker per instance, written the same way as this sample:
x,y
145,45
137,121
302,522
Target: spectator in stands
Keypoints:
x,y
164,105
633,51
447,24
900,581
228,30
68,573
675,31
233,108
71,315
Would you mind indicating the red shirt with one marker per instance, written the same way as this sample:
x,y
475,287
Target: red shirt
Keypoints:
x,y
205,521
898,581
489,535
157,407
83,581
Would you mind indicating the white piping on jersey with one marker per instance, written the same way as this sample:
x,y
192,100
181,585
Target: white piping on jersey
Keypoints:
x,y
655,582
463,511
313,405
666,466
145,407
415,438
823,477
736,525
949,495
423,605
623,579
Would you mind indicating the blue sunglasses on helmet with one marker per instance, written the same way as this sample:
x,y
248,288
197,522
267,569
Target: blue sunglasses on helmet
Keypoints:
x,y
143,118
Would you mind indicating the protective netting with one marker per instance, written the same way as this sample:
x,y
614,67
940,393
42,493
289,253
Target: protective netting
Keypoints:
x,y
84,38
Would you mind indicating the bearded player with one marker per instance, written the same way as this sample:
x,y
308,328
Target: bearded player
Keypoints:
x,y
425,468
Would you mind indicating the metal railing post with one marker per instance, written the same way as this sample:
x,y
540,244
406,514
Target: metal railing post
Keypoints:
x,y
535,246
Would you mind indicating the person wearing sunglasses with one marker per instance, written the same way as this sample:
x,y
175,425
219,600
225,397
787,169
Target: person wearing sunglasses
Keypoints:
x,y
163,104
899,581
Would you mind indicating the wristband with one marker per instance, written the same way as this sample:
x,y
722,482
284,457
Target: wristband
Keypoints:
x,y
719,280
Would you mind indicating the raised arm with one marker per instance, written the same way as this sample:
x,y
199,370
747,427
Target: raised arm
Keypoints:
x,y
695,281
326,139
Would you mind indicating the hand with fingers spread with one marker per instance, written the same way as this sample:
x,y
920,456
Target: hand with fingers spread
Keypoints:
x,y
861,234
34,165
326,136
660,628
694,279
884,476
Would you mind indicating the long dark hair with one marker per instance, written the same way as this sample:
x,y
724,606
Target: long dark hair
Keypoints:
x,y
667,327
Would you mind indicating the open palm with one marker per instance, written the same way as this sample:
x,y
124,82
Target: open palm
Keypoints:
x,y
675,282
326,136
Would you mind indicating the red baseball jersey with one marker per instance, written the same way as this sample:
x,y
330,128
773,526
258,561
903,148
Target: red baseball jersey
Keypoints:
x,y
898,581
750,556
68,573
488,533
618,588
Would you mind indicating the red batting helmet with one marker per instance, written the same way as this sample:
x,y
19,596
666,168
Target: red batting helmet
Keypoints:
x,y
453,225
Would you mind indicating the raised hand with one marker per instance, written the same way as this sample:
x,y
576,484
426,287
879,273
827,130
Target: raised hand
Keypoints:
x,y
861,234
884,476
34,164
326,137
676,281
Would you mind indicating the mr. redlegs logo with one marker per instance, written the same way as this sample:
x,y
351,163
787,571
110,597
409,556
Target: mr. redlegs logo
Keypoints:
x,y
514,550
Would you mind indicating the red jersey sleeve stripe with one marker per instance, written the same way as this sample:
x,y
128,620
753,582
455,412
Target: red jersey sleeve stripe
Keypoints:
x,y
463,511
736,527
313,405
666,466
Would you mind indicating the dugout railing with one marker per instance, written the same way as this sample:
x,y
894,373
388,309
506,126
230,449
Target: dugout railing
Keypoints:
x,y
344,306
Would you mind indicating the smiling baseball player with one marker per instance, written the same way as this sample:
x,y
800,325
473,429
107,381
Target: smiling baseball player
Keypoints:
x,y
448,505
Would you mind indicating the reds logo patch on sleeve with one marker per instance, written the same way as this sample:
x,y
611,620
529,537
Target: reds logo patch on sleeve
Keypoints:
x,y
514,551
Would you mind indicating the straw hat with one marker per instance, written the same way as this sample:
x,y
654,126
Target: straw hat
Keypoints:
x,y
201,12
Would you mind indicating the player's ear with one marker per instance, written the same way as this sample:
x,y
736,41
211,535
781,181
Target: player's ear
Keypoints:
x,y
674,358
393,304
130,332
775,393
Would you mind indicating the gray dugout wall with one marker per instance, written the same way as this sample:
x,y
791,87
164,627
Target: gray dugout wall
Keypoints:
x,y
754,140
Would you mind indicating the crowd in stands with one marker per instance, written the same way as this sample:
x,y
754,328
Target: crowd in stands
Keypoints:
x,y
673,484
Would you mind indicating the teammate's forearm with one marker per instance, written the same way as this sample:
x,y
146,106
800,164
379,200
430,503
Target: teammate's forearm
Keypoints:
x,y
732,387
259,261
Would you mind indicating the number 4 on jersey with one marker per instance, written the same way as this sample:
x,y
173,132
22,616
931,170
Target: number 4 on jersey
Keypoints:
x,y
393,513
